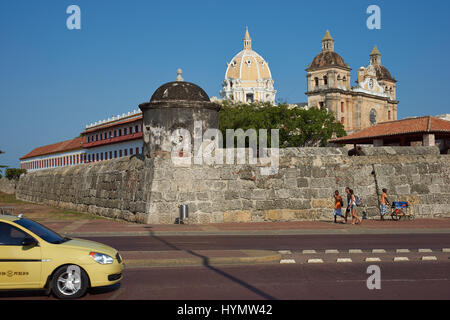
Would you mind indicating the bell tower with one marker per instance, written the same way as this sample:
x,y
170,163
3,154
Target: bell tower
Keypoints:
x,y
327,42
375,57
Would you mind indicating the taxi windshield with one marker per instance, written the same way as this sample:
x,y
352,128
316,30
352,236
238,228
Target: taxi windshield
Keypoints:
x,y
41,231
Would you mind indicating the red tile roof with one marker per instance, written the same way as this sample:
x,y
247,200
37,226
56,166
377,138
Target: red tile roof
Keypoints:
x,y
400,127
64,146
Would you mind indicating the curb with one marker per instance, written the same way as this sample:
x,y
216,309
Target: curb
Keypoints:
x,y
252,257
255,232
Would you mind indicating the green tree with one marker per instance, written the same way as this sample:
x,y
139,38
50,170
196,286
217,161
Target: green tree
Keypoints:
x,y
14,173
298,127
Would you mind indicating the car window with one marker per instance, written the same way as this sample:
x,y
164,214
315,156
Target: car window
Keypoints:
x,y
11,236
41,231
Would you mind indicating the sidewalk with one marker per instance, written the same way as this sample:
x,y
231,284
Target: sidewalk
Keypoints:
x,y
105,227
79,224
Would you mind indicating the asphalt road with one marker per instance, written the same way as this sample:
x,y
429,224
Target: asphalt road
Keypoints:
x,y
411,280
291,242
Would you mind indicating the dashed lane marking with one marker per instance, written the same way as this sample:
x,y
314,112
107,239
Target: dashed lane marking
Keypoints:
x,y
378,251
355,251
400,259
429,258
403,251
315,261
374,259
309,252
344,260
287,261
285,252
331,251
425,250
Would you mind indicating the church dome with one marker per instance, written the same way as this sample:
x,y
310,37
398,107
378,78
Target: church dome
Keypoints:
x,y
248,77
248,65
383,73
327,59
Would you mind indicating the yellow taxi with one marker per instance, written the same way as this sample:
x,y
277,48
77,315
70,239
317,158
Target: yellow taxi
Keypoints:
x,y
34,257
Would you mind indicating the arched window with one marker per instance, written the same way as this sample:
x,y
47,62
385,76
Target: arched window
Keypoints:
x,y
325,80
373,117
316,81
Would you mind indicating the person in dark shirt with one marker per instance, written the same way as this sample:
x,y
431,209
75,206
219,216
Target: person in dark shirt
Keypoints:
x,y
349,199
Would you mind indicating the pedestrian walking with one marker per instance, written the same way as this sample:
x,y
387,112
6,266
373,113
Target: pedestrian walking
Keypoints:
x,y
338,203
349,198
384,201
353,208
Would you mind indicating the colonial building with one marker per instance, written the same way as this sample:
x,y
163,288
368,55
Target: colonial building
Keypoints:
x,y
248,78
61,154
371,101
115,137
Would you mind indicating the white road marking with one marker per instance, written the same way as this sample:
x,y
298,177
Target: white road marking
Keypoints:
x,y
315,261
373,259
287,261
429,258
285,252
344,260
330,251
446,250
402,250
378,251
425,250
399,259
355,251
309,252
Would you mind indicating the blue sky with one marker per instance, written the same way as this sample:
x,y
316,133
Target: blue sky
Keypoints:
x,y
54,81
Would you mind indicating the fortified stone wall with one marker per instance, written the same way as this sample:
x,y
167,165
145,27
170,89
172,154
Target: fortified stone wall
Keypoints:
x,y
150,191
8,186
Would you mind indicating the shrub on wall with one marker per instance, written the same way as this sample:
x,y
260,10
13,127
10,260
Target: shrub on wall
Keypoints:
x,y
14,174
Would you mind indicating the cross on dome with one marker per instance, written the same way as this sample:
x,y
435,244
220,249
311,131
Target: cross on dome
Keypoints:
x,y
179,73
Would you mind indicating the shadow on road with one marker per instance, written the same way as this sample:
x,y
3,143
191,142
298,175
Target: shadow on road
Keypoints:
x,y
246,285
40,294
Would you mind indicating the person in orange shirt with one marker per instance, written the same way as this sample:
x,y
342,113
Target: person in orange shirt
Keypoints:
x,y
338,206
384,202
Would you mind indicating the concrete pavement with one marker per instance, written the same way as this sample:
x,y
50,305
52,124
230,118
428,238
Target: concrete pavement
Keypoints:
x,y
106,227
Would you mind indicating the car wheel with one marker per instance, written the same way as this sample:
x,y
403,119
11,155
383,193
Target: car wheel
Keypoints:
x,y
69,282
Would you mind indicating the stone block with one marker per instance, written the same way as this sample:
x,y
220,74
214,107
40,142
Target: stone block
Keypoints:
x,y
237,216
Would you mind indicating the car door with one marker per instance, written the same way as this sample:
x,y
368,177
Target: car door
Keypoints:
x,y
20,266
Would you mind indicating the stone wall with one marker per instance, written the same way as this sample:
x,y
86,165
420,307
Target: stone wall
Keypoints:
x,y
114,188
8,186
150,191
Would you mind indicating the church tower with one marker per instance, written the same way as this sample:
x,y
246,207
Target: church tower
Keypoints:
x,y
372,101
328,77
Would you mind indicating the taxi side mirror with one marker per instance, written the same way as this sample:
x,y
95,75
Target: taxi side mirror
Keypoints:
x,y
27,242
